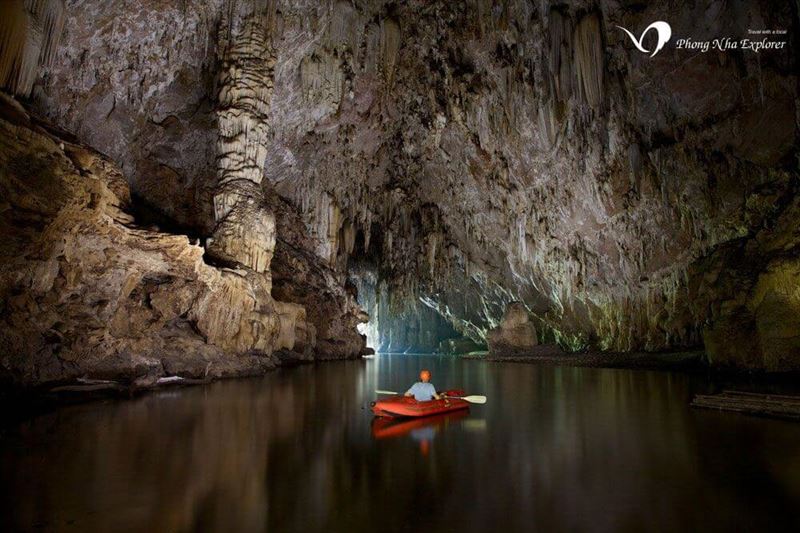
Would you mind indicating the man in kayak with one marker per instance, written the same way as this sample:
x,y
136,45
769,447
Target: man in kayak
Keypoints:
x,y
423,390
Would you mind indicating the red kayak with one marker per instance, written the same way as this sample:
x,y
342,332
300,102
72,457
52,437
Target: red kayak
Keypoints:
x,y
399,406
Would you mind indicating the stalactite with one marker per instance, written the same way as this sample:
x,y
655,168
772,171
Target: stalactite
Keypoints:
x,y
390,45
346,28
349,236
432,247
51,14
13,27
367,229
588,59
372,47
549,122
29,35
333,220
559,58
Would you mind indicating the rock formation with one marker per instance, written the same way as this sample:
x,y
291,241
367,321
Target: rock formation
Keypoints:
x,y
30,31
459,345
244,230
448,158
515,333
87,293
302,277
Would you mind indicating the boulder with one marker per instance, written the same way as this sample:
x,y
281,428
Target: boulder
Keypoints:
x,y
516,334
759,329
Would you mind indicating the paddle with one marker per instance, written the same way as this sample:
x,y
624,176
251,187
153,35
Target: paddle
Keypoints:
x,y
471,399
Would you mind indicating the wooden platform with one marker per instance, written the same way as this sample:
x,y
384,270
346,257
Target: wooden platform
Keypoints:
x,y
752,403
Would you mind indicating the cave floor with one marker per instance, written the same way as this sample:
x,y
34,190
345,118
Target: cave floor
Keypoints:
x,y
554,449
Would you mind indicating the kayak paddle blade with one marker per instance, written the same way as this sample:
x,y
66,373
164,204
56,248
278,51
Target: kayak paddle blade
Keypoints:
x,y
474,399
386,392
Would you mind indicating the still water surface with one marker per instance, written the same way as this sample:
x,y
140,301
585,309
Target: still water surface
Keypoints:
x,y
554,449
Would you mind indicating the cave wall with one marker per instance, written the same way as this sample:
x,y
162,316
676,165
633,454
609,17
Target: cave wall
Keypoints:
x,y
88,293
503,151
517,151
136,82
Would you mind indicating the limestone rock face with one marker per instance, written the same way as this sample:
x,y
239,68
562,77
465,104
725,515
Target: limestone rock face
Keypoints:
x,y
516,333
756,321
331,312
114,86
775,306
469,155
87,293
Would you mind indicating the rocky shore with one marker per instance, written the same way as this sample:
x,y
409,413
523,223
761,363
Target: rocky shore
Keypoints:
x,y
678,361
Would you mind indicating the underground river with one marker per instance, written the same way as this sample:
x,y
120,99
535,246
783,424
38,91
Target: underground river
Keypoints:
x,y
554,449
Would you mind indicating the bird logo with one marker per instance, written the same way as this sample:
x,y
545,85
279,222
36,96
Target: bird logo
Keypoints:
x,y
663,30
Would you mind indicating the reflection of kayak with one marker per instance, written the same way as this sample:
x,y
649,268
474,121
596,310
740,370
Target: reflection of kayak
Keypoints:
x,y
399,406
385,428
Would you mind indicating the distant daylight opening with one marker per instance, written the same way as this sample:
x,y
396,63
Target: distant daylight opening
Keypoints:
x,y
399,322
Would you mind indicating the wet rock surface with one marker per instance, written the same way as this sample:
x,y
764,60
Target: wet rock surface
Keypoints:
x,y
477,154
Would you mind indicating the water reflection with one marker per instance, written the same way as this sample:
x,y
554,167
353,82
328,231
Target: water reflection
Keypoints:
x,y
421,430
554,449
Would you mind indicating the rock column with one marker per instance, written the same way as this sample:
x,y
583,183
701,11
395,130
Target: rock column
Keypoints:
x,y
245,228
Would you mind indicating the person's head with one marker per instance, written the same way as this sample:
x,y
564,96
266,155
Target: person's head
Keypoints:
x,y
425,376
